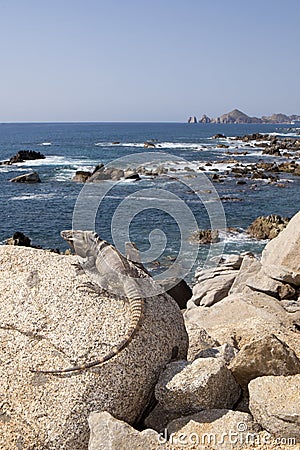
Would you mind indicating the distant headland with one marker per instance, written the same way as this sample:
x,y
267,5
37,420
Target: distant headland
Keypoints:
x,y
237,116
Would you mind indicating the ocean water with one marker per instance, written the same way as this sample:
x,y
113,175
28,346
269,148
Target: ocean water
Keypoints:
x,y
42,210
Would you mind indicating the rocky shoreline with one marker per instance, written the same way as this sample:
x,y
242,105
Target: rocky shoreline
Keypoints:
x,y
228,363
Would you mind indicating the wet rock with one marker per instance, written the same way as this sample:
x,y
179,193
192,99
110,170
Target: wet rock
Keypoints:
x,y
205,383
131,175
205,236
267,227
274,151
219,136
274,404
31,177
24,155
106,173
82,176
265,356
19,239
149,145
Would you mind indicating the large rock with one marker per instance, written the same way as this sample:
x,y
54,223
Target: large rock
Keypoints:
x,y
281,257
50,319
265,356
205,383
250,266
31,177
211,430
108,433
213,290
274,404
263,283
240,318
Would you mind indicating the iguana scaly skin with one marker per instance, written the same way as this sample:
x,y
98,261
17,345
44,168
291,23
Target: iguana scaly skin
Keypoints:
x,y
105,261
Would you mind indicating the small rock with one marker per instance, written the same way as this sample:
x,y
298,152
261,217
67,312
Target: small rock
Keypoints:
x,y
205,236
274,404
31,177
265,356
213,290
24,155
131,175
102,173
149,145
20,239
106,432
81,176
199,340
291,306
205,383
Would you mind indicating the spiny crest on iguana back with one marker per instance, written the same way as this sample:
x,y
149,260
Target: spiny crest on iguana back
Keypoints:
x,y
105,259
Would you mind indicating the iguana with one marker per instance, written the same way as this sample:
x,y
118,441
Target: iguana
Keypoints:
x,y
108,266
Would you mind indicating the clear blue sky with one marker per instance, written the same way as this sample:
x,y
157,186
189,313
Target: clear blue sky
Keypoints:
x,y
147,60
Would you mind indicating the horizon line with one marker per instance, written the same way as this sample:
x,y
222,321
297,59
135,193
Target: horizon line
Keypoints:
x,y
21,122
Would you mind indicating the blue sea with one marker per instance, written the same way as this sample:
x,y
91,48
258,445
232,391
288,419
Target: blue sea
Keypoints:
x,y
42,210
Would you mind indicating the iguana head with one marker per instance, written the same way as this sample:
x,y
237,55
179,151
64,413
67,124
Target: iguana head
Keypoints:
x,y
80,241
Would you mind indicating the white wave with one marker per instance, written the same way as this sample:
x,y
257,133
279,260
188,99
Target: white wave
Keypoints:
x,y
35,196
45,144
238,237
56,160
295,133
180,145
